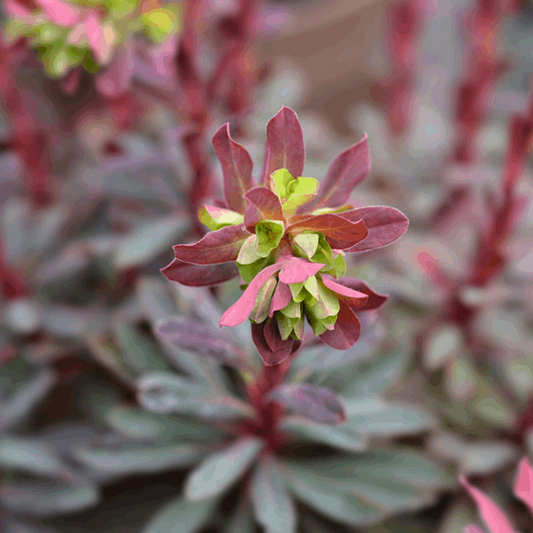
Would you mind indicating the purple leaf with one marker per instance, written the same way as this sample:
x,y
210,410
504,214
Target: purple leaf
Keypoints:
x,y
62,13
199,275
285,145
242,308
375,299
347,170
347,295
346,331
196,337
319,404
282,298
261,203
298,270
384,224
237,168
220,246
523,486
340,232
268,355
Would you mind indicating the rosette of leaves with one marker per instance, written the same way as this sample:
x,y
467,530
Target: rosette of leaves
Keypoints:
x,y
287,241
71,33
270,424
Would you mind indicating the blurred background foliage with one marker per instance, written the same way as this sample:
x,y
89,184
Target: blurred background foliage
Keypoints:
x,y
107,421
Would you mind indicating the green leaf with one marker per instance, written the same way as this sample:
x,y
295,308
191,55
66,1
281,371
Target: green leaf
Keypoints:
x,y
272,502
181,516
306,244
160,23
29,455
138,458
344,437
311,287
217,217
221,470
269,234
293,310
280,180
301,191
262,305
326,305
249,272
140,353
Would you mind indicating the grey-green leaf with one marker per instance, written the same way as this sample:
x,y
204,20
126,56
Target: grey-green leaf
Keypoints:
x,y
220,470
272,502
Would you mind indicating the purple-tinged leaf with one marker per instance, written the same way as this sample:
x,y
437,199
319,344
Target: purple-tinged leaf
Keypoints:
x,y
282,298
199,275
472,529
523,486
385,225
219,246
269,356
298,270
491,514
62,13
242,308
284,145
347,170
346,331
262,204
237,168
196,337
352,298
375,299
319,404
340,232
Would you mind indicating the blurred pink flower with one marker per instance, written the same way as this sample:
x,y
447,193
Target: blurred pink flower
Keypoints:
x,y
493,517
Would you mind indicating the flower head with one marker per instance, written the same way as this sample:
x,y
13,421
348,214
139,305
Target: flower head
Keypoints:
x,y
287,237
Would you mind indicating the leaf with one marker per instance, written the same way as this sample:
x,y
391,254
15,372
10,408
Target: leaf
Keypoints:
x,y
139,352
284,145
384,224
298,270
282,298
523,485
242,308
262,305
341,233
375,299
346,331
29,455
237,168
217,217
272,502
219,246
221,470
306,243
350,297
181,516
269,355
493,517
43,498
138,459
347,170
242,521
62,13
199,275
196,337
319,404
262,204
344,437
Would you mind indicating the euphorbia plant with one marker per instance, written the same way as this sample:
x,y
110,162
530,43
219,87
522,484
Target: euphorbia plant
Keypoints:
x,y
287,237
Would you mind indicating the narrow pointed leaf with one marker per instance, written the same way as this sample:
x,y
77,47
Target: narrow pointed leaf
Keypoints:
x,y
262,204
242,308
346,331
219,246
237,168
297,270
340,232
221,470
385,225
523,486
285,145
196,337
200,275
350,297
319,404
491,514
272,502
282,298
375,299
347,170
